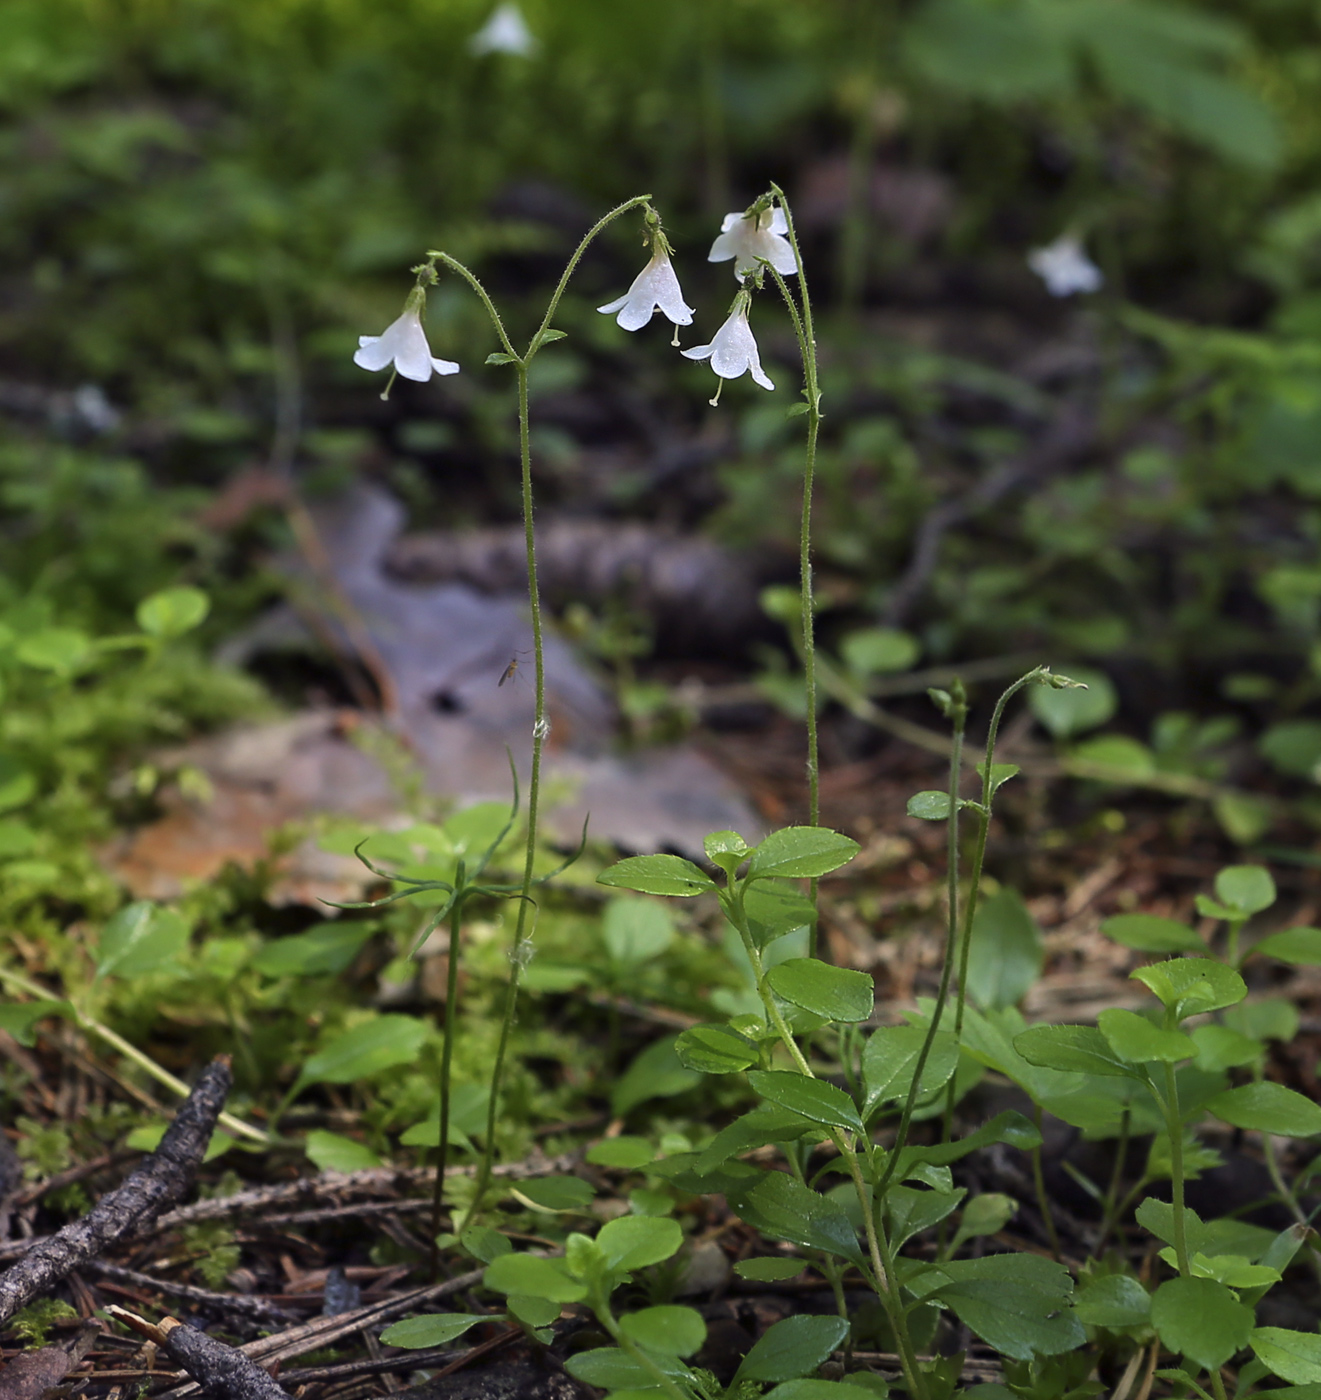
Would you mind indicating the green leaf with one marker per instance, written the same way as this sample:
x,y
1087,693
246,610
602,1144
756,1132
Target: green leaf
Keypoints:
x,y
60,650
636,1241
485,1244
801,852
657,1073
612,1369
556,1193
1149,933
20,1018
769,1270
678,1331
141,938
880,651
540,1278
17,785
809,1098
715,1049
765,1123
333,1153
996,52
1219,1048
1242,817
535,1312
498,357
429,1330
727,849
810,1388
1065,713
1246,888
1190,986
1267,1108
785,1209
1000,774
366,1050
636,931
911,1211
791,1348
1018,1303
1075,1049
775,908
324,950
1006,954
1112,758
1300,946
1271,1018
1293,1356
1009,1127
1201,1319
986,1214
624,1153
929,806
1134,1039
549,336
1115,1300
889,1061
837,993
173,611
670,875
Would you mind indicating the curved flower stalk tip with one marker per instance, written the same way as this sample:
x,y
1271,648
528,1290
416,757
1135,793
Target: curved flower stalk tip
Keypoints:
x,y
505,32
403,344
655,288
733,351
752,237
1065,267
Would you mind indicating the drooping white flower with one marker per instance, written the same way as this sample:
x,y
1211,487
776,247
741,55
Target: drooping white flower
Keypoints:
x,y
733,351
1065,267
403,344
748,237
505,32
654,288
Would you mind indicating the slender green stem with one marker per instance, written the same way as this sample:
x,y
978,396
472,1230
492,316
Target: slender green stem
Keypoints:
x,y
1116,1181
601,1307
130,1052
446,1063
1039,1181
518,953
554,303
1218,1384
471,279
959,715
1174,1127
1231,953
983,828
802,324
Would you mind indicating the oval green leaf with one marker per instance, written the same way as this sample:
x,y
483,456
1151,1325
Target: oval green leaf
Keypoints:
x,y
1134,1039
1267,1108
1149,933
1202,1319
801,852
1300,946
671,875
430,1330
540,1278
809,1098
715,1049
674,1330
837,993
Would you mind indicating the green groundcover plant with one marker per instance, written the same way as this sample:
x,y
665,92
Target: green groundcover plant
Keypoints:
x,y
856,1128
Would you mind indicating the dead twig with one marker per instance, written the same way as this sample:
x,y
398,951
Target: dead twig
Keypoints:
x,y
157,1183
236,1304
223,1372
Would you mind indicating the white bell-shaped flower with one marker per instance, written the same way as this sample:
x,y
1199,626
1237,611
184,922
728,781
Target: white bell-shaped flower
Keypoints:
x,y
747,238
1065,267
734,351
654,288
403,344
505,32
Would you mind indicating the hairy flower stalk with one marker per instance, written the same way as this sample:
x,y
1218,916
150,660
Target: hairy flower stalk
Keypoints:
x,y
655,288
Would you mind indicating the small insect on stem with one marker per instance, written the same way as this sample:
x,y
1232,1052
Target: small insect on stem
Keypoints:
x,y
511,670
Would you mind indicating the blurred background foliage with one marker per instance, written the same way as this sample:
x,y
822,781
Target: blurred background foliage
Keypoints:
x,y
203,202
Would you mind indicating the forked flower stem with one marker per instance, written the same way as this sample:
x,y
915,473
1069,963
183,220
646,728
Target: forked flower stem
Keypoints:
x,y
518,953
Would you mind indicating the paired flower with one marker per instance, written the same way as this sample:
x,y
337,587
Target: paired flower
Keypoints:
x,y
733,351
1065,267
505,32
403,344
752,236
654,288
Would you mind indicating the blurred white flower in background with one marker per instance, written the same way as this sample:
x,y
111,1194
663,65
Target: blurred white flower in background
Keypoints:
x,y
1065,267
733,351
749,237
403,343
505,32
654,288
